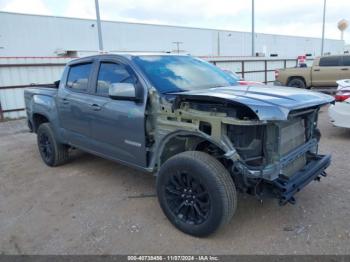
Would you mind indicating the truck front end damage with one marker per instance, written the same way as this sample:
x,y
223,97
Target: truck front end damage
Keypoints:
x,y
278,158
269,150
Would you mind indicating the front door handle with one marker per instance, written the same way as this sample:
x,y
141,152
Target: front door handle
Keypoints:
x,y
95,107
345,69
317,70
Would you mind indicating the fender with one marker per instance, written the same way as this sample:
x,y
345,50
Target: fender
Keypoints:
x,y
46,106
225,145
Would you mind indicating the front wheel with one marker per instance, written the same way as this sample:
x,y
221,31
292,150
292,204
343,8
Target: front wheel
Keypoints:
x,y
52,152
196,193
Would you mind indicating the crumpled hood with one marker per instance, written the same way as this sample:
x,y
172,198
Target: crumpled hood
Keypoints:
x,y
268,102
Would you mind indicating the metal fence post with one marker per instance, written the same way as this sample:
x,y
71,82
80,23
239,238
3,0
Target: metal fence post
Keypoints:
x,y
265,64
242,69
1,113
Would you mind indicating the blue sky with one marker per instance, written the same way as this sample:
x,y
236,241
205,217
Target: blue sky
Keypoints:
x,y
293,17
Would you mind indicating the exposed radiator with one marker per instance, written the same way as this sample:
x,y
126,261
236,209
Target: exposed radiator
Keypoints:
x,y
292,135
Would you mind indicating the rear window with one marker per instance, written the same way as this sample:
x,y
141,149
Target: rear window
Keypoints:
x,y
330,61
78,77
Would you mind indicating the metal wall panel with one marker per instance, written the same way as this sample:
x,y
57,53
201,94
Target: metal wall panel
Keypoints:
x,y
258,76
254,65
232,66
12,99
272,65
21,71
44,35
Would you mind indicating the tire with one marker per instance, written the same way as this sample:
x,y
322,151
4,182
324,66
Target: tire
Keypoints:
x,y
198,177
297,82
52,152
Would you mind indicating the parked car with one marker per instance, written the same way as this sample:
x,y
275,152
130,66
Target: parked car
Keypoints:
x,y
324,72
340,111
343,90
187,122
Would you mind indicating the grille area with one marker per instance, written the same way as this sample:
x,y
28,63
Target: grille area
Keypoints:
x,y
292,135
264,145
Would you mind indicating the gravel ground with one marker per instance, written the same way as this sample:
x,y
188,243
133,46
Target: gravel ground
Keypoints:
x,y
94,206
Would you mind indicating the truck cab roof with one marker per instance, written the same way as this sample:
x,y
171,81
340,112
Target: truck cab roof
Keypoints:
x,y
127,55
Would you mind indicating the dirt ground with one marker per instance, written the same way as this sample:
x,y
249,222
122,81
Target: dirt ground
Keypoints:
x,y
94,206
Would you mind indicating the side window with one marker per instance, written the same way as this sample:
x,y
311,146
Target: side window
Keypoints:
x,y
78,77
330,61
111,73
346,60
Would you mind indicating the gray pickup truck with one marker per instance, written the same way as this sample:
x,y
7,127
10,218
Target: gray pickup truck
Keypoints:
x,y
187,122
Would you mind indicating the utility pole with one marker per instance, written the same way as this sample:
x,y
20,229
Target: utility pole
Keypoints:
x,y
98,21
253,29
218,42
323,26
178,46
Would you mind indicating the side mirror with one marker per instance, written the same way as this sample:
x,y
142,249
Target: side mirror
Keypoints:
x,y
57,83
122,91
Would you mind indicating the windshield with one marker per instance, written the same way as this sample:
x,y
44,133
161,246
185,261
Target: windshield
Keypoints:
x,y
182,73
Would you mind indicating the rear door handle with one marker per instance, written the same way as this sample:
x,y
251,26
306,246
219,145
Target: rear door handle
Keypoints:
x,y
95,107
345,69
317,70
65,101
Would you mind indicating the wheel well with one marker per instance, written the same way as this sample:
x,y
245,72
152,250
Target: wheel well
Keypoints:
x,y
38,119
179,144
296,77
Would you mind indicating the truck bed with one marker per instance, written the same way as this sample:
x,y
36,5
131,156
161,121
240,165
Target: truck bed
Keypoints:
x,y
45,91
41,91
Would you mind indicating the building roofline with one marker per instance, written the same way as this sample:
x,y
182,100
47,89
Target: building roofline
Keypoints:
x,y
164,25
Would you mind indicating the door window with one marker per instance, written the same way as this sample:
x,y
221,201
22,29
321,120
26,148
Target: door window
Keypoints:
x,y
78,77
111,73
346,60
330,61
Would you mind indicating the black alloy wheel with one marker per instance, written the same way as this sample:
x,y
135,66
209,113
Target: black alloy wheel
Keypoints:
x,y
188,198
196,193
52,152
45,147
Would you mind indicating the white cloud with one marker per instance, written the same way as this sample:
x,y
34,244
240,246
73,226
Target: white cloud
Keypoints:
x,y
28,6
80,8
297,17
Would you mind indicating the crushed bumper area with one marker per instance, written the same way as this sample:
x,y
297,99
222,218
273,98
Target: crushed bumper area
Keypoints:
x,y
286,187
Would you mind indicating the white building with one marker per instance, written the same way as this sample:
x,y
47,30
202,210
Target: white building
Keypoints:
x,y
36,35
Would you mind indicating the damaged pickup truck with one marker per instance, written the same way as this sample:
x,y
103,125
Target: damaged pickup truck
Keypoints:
x,y
189,123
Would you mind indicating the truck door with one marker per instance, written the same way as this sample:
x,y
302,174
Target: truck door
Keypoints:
x,y
118,126
327,72
74,104
345,68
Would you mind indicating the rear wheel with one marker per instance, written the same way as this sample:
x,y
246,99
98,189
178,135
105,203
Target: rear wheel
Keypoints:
x,y
196,193
52,152
297,82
